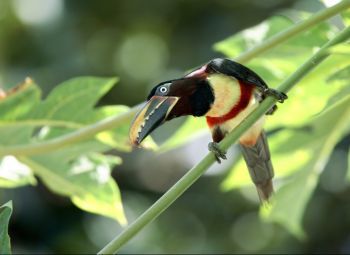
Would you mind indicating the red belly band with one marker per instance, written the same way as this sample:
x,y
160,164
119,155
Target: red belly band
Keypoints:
x,y
246,93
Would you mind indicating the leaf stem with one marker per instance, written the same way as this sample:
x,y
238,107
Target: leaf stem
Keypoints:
x,y
91,130
192,175
75,136
41,122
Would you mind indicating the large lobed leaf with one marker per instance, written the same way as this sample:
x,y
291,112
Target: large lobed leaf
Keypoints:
x,y
79,171
5,214
326,130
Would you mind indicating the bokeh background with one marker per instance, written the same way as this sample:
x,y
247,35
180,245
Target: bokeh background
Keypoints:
x,y
143,43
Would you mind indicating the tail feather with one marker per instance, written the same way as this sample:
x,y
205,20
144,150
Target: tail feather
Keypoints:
x,y
258,160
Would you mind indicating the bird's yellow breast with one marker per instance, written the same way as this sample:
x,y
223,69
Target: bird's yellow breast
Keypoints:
x,y
227,93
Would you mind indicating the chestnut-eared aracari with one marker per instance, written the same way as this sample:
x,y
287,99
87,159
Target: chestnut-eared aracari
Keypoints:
x,y
224,92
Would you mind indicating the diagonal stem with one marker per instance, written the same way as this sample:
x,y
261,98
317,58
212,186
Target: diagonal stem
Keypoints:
x,y
192,175
91,130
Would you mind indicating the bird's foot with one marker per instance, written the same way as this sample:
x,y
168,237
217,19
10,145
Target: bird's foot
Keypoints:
x,y
272,110
218,153
280,96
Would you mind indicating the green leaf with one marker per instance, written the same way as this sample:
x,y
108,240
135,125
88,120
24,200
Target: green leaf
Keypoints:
x,y
346,17
73,101
327,129
19,101
343,48
284,165
251,37
5,214
343,74
283,210
85,179
15,106
79,171
90,187
118,138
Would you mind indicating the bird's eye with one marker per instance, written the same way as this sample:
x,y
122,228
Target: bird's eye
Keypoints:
x,y
163,89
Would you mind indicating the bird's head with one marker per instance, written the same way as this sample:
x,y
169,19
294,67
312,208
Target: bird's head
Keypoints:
x,y
212,90
190,95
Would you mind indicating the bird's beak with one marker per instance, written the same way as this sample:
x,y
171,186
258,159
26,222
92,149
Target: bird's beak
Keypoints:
x,y
152,115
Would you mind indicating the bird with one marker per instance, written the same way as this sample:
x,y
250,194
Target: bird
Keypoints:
x,y
225,92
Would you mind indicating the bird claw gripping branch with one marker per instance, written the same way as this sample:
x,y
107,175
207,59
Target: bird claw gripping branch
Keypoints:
x,y
218,153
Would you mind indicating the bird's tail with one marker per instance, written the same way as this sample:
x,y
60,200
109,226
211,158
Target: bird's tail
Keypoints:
x,y
257,158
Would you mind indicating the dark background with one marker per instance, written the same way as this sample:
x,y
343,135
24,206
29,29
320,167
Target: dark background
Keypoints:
x,y
143,43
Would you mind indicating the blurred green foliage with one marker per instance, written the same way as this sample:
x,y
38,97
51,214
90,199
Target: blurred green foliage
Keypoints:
x,y
138,41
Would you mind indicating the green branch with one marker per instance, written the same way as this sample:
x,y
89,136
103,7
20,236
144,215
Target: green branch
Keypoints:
x,y
191,176
91,130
